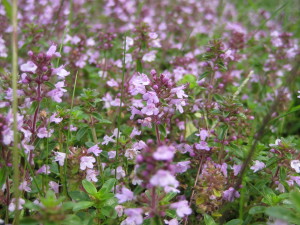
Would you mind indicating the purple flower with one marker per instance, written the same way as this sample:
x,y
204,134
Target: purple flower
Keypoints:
x,y
54,186
125,195
295,164
164,153
135,132
164,178
182,208
150,97
24,186
61,72
111,154
56,94
120,172
178,104
60,158
237,169
179,91
203,134
181,167
55,119
135,111
44,133
52,51
149,57
28,67
119,209
171,222
150,109
230,194
95,150
202,146
12,206
257,166
134,216
87,162
45,169
91,175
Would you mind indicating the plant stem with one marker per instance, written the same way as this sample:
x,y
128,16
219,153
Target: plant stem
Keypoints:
x,y
16,173
120,106
195,183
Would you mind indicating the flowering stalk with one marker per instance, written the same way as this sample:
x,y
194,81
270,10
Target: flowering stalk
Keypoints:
x,y
16,174
121,100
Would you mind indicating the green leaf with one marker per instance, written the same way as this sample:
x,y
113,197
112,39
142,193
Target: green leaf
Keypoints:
x,y
82,205
203,75
8,9
209,220
139,66
189,78
29,221
109,212
257,210
79,196
49,84
89,187
234,222
282,213
169,197
81,132
109,184
295,198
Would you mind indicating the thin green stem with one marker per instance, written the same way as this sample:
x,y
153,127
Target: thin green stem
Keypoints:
x,y
16,173
120,106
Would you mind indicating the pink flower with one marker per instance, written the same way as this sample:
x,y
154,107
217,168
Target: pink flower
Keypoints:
x,y
237,169
181,167
60,158
295,164
135,216
134,112
178,104
45,169
95,150
91,175
182,208
56,94
43,133
111,154
203,134
135,132
149,57
179,91
52,51
119,209
12,206
24,186
54,186
28,67
125,195
120,172
55,119
150,109
164,178
164,153
230,194
140,79
150,97
171,222
257,166
61,72
87,162
202,146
